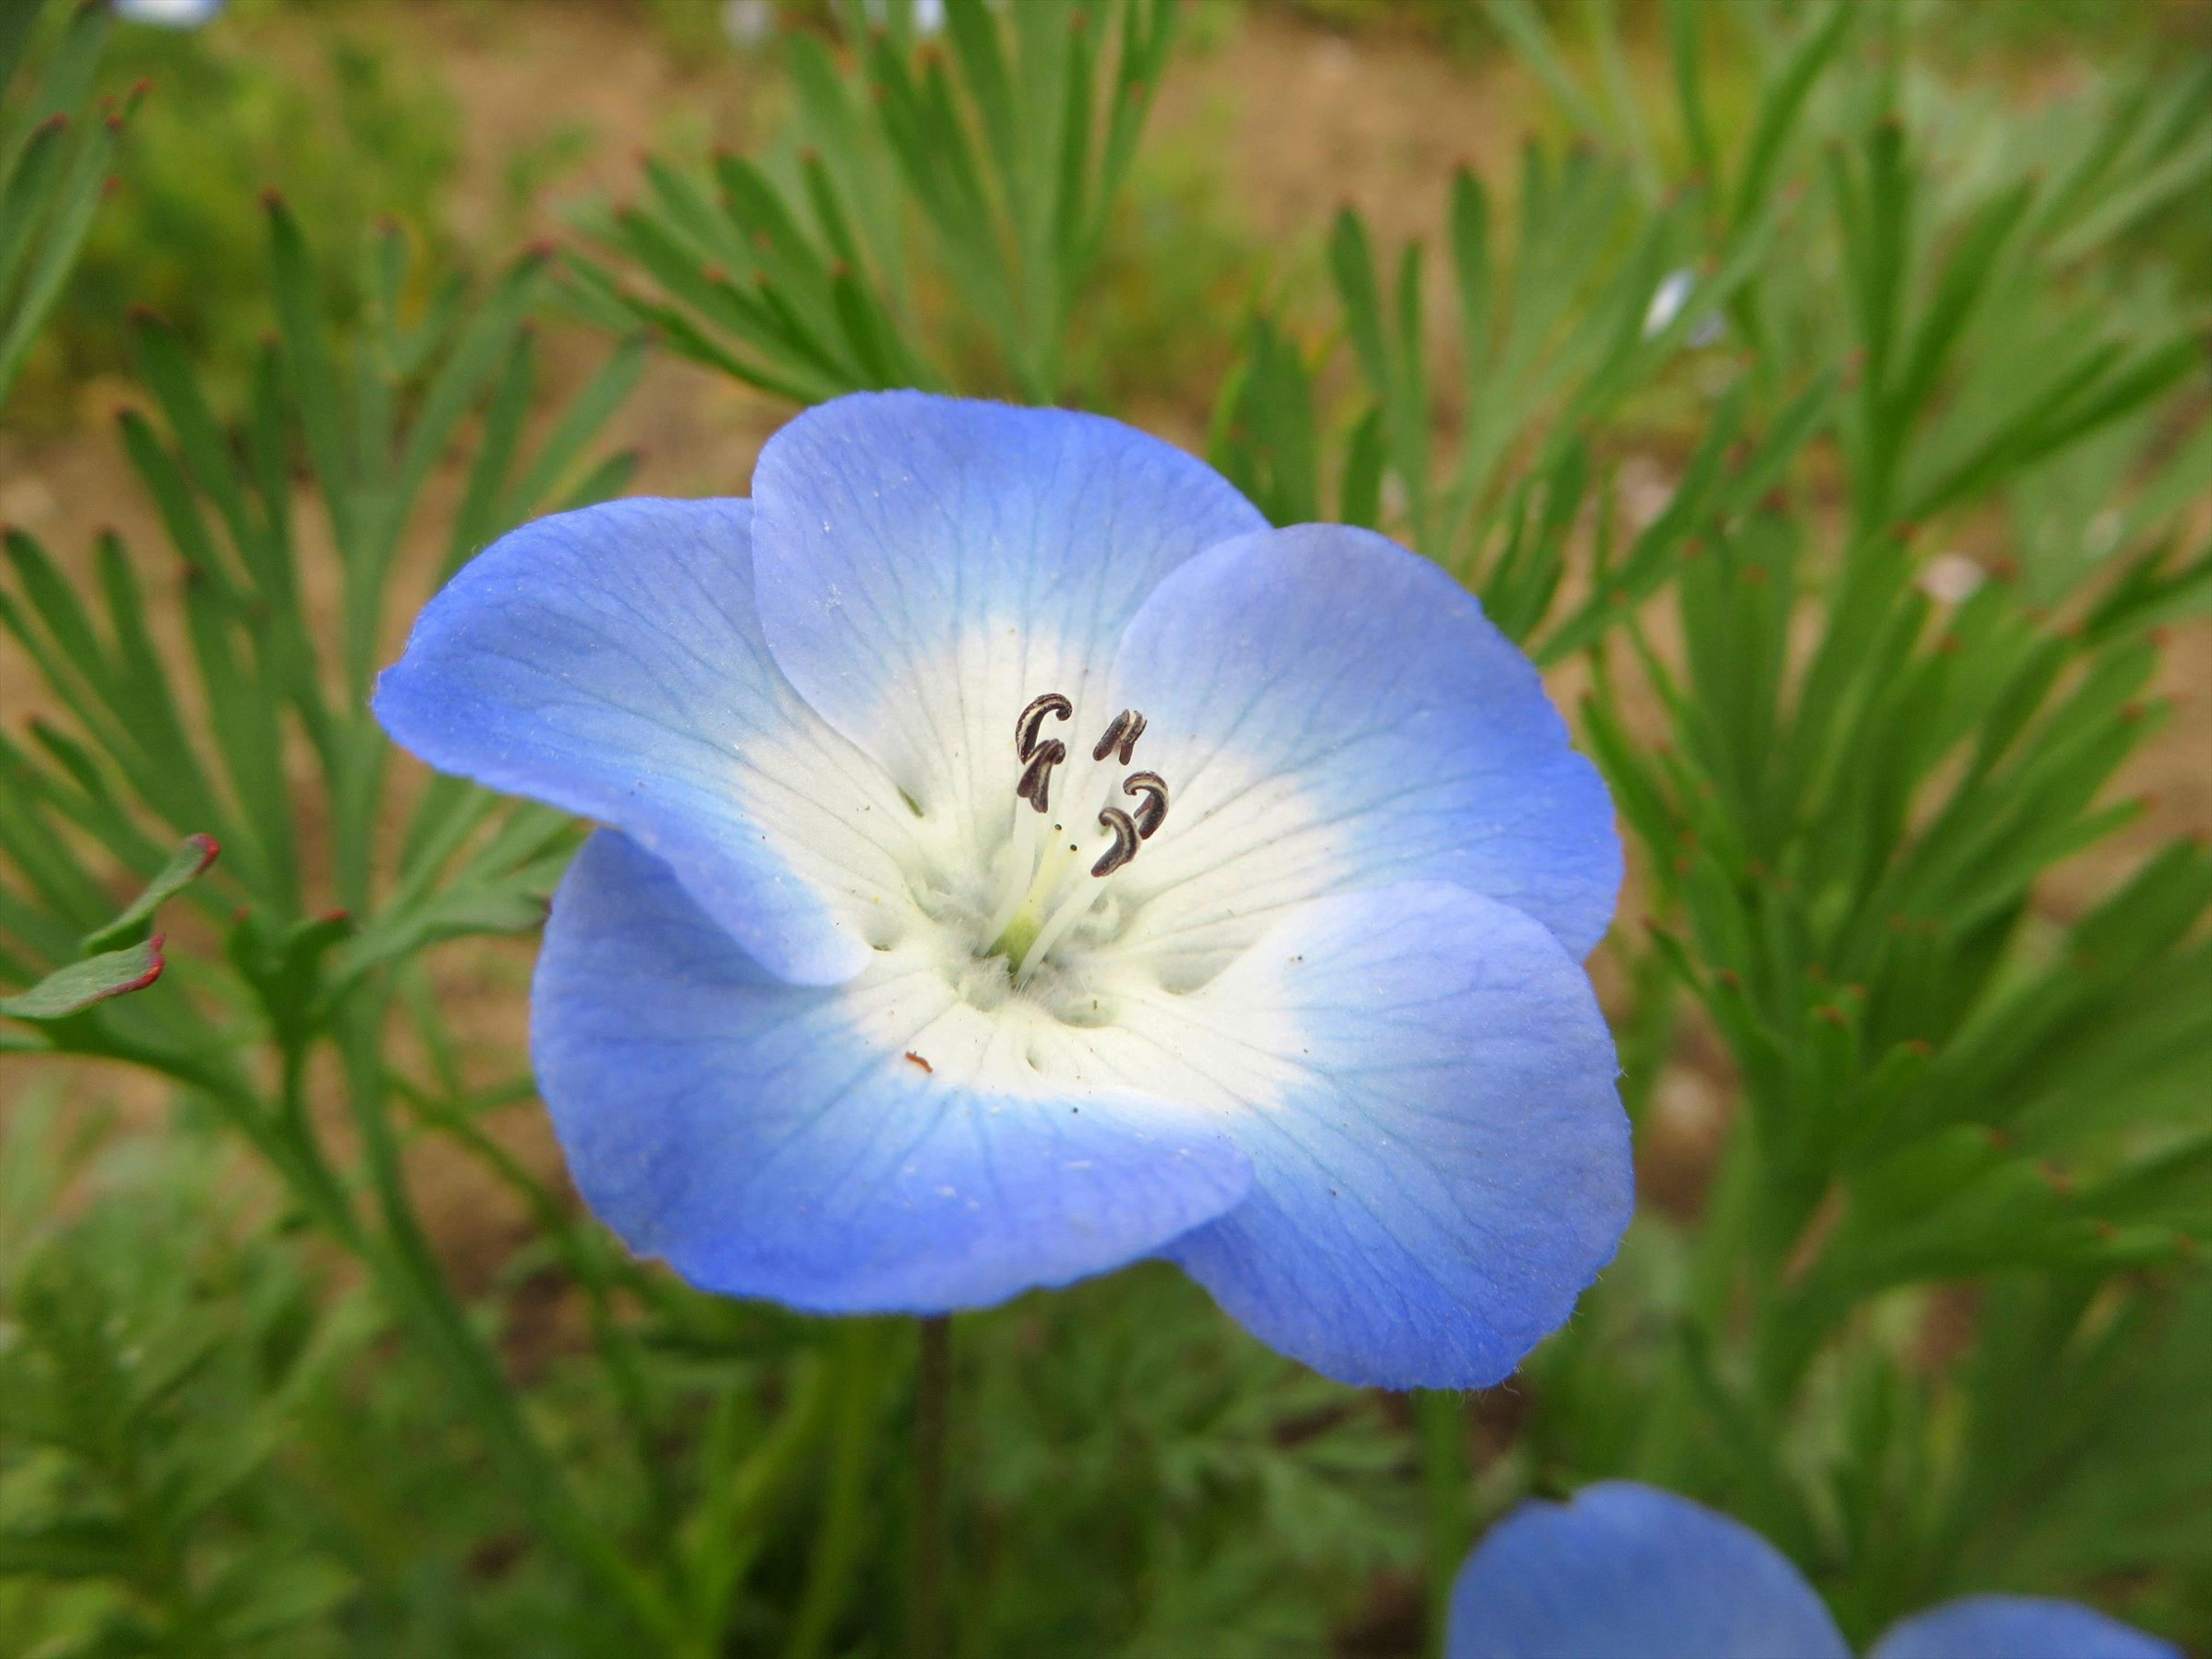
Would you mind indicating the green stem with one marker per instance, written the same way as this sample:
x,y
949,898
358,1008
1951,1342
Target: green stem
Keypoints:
x,y
310,1179
1722,1229
617,1349
413,1273
1647,1041
1440,1419
933,1396
733,1520
858,1364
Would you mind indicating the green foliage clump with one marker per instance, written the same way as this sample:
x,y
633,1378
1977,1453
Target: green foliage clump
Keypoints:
x,y
355,132
152,1366
55,149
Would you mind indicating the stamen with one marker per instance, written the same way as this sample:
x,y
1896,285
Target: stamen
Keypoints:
x,y
1124,731
1036,777
1032,720
1042,896
1126,836
1152,809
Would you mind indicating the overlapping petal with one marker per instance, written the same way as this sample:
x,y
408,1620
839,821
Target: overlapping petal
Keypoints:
x,y
2017,1627
1333,712
610,661
1627,1571
1424,1085
880,1145
927,565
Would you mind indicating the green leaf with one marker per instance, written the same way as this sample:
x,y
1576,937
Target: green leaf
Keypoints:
x,y
1359,499
190,859
1779,107
1352,264
72,989
77,195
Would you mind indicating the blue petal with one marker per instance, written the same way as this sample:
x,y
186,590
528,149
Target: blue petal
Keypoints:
x,y
793,1142
1333,711
608,661
1627,1571
2017,1627
927,565
1441,1162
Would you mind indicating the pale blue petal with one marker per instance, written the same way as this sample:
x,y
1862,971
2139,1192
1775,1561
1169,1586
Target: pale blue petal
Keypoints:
x,y
609,662
1627,1571
1333,712
876,1146
1441,1160
2017,1627
927,567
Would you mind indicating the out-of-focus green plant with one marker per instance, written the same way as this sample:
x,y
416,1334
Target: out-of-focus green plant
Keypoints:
x,y
155,1362
1554,337
283,741
1009,142
55,157
365,135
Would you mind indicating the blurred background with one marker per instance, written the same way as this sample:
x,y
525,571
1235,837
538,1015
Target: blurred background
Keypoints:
x,y
229,1426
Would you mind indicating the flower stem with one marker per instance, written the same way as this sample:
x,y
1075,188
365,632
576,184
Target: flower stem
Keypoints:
x,y
858,1360
1439,1419
933,1392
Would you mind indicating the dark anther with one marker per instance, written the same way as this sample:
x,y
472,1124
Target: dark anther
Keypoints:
x,y
1152,809
1124,841
1026,728
1124,731
1036,777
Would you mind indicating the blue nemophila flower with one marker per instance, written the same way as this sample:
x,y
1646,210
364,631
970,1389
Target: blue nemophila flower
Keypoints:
x,y
1022,861
1627,1571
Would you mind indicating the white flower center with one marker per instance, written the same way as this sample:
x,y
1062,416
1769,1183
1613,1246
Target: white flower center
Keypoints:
x,y
1049,887
1056,871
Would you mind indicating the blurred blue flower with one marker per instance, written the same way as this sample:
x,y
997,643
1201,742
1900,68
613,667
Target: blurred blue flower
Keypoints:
x,y
1666,302
1629,1571
168,14
1023,861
